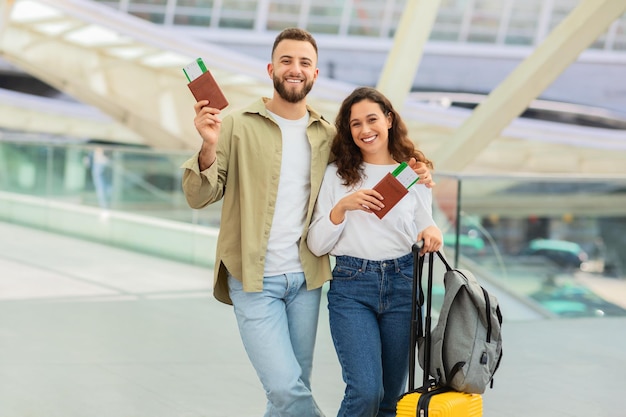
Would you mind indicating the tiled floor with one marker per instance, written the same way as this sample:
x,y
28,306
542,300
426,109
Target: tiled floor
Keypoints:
x,y
92,331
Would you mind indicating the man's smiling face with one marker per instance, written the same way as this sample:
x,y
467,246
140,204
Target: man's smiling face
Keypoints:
x,y
293,69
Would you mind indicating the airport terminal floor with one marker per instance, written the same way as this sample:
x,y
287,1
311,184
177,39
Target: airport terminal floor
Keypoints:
x,y
88,330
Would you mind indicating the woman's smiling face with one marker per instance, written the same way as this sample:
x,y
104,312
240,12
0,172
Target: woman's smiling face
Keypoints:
x,y
370,130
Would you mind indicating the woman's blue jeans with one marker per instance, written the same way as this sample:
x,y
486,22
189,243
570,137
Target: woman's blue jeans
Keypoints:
x,y
278,327
369,305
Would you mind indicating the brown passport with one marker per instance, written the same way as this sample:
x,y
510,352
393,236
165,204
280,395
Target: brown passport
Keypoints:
x,y
392,191
206,88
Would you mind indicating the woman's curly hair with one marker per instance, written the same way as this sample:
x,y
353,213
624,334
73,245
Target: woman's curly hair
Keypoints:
x,y
349,158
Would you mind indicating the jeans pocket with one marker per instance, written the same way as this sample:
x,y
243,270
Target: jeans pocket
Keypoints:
x,y
345,273
407,273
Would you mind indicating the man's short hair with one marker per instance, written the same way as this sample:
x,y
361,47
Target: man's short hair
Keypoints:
x,y
295,34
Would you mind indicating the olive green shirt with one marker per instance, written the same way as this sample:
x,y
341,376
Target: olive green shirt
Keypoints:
x,y
246,175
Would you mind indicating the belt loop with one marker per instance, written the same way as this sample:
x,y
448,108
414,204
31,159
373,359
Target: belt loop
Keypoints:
x,y
396,265
364,265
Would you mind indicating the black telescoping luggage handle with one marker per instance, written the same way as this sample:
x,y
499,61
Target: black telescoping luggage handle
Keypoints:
x,y
417,325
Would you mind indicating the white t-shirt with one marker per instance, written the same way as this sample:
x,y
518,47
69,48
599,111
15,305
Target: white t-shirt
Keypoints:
x,y
362,234
294,189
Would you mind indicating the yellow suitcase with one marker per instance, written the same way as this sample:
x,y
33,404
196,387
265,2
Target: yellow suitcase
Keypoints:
x,y
430,400
436,403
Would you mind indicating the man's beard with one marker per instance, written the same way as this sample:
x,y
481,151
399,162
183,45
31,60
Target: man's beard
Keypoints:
x,y
292,96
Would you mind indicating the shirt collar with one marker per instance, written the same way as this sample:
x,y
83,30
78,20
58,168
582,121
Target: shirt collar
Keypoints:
x,y
258,107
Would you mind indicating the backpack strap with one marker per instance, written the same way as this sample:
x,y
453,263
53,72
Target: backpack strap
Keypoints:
x,y
443,259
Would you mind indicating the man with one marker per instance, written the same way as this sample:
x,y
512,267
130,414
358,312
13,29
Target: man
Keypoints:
x,y
268,165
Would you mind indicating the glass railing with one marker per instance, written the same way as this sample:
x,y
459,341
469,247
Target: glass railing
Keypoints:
x,y
123,178
555,242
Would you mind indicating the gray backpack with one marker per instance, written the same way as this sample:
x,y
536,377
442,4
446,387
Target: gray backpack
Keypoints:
x,y
466,343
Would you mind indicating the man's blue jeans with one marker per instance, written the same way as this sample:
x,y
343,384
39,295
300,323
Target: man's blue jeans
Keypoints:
x,y
369,305
278,327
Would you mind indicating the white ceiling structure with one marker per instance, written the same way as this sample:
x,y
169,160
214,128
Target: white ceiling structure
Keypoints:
x,y
130,71
29,113
128,68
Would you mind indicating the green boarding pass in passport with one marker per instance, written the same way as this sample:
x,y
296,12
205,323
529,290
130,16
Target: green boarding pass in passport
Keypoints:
x,y
194,69
405,175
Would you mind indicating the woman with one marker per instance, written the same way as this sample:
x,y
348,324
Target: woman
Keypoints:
x,y
369,299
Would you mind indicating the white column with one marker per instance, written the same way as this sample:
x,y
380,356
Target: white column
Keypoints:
x,y
401,66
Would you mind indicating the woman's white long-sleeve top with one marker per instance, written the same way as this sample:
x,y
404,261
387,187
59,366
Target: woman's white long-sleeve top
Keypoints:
x,y
362,234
